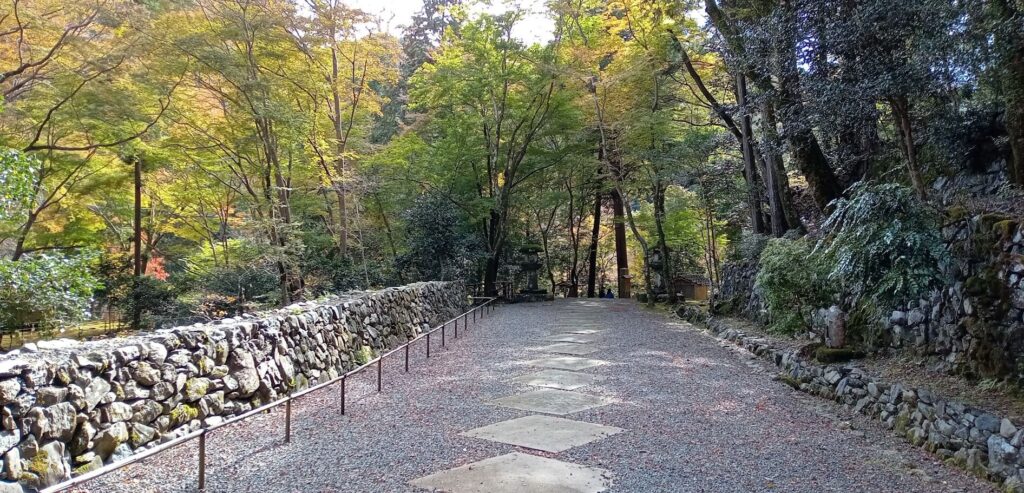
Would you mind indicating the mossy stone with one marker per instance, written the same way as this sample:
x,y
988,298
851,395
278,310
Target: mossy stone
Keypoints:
x,y
836,355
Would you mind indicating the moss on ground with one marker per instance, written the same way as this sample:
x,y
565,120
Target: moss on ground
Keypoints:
x,y
836,355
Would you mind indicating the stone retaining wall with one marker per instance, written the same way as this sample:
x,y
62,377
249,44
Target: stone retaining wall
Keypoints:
x,y
981,442
71,407
973,324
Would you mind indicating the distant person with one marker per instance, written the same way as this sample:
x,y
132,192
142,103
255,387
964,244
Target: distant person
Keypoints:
x,y
608,294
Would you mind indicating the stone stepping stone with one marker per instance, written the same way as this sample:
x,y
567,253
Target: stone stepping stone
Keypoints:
x,y
546,433
585,331
557,379
577,338
566,362
551,401
568,348
518,473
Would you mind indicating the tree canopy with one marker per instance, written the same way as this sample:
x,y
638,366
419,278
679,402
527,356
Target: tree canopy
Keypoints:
x,y
207,157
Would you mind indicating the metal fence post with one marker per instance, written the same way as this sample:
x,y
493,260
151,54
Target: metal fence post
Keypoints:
x,y
474,315
380,371
202,461
456,329
428,344
343,378
407,357
288,420
442,335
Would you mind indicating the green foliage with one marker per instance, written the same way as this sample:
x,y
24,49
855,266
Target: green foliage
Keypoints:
x,y
883,245
17,173
440,245
156,301
50,290
363,355
749,247
793,283
243,273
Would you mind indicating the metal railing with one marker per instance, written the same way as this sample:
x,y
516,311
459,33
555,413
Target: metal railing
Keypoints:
x,y
477,311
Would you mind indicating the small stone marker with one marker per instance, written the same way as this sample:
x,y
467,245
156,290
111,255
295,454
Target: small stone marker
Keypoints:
x,y
566,362
546,433
518,473
551,401
557,379
568,348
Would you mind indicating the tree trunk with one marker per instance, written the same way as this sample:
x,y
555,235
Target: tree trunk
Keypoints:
x,y
659,222
595,234
777,223
494,244
390,235
621,253
901,112
777,171
803,145
1008,40
137,243
750,172
339,160
491,274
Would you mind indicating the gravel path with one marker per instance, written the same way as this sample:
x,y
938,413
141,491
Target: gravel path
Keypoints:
x,y
698,416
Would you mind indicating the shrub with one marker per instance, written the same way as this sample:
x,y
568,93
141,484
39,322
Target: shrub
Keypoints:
x,y
884,245
50,290
441,244
750,246
17,179
792,282
156,302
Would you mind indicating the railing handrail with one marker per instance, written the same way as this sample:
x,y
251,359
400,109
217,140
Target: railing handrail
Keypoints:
x,y
163,447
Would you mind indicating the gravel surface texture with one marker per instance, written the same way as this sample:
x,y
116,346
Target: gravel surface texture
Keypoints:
x,y
697,415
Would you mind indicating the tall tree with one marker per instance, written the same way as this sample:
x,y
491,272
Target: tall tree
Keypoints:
x,y
487,86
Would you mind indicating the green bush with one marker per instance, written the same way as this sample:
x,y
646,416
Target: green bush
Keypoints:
x,y
52,291
17,175
156,302
883,245
793,283
749,246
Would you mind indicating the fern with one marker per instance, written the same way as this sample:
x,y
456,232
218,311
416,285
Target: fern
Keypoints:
x,y
884,245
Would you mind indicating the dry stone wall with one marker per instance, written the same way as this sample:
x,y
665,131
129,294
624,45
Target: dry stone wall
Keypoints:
x,y
69,407
981,442
974,324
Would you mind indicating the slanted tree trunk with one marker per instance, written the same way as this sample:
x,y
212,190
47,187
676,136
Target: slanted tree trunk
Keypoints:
x,y
803,145
781,215
901,113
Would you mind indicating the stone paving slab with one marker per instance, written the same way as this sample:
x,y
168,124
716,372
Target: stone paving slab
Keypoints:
x,y
569,337
518,473
584,331
566,362
546,433
568,348
551,401
557,379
